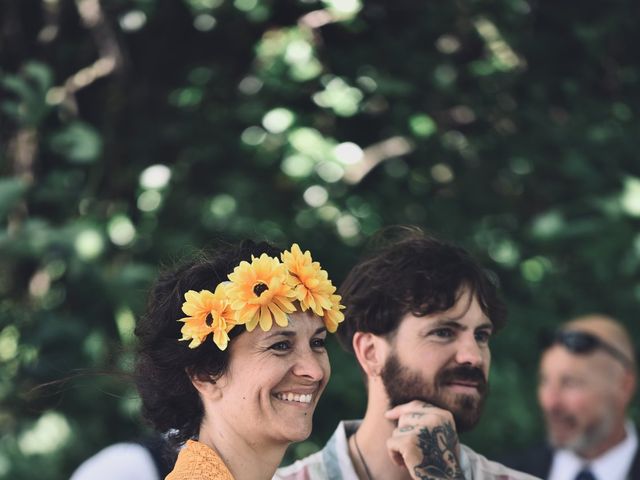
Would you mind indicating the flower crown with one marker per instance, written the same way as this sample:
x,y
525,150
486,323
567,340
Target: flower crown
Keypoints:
x,y
259,293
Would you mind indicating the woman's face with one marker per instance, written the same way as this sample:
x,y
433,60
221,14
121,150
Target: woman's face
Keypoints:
x,y
274,380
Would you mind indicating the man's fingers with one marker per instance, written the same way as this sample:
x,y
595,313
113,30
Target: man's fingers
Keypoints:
x,y
418,413
431,417
397,459
415,405
418,447
402,450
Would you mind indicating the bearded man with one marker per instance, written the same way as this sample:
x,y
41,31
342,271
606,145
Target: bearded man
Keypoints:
x,y
419,316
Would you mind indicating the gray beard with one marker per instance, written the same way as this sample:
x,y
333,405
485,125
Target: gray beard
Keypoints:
x,y
594,435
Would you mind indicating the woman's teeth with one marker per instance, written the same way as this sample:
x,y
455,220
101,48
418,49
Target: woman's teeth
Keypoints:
x,y
294,397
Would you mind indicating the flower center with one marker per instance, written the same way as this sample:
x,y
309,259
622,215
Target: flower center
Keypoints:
x,y
258,288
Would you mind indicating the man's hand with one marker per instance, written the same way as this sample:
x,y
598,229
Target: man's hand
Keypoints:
x,y
425,441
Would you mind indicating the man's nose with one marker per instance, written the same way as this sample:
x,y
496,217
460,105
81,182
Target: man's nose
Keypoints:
x,y
469,353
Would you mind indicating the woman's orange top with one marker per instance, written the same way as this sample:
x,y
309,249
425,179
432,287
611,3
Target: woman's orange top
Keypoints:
x,y
196,461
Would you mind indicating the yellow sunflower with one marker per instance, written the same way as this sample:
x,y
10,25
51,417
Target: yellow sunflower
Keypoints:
x,y
261,293
207,313
333,316
311,284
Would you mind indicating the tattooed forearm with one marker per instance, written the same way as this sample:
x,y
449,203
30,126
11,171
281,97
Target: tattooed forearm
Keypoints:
x,y
439,460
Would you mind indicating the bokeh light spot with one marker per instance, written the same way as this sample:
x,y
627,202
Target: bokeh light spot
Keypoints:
x,y
49,434
223,205
204,22
330,172
422,125
348,153
253,136
155,176
316,196
133,20
121,230
149,200
89,244
442,173
297,166
278,120
448,44
630,198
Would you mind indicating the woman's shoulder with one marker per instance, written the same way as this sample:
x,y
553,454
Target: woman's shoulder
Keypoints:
x,y
196,461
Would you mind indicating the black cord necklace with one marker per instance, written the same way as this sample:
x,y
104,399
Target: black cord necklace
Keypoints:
x,y
364,464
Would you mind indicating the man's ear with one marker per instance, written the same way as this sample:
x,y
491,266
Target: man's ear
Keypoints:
x,y
207,387
371,352
629,386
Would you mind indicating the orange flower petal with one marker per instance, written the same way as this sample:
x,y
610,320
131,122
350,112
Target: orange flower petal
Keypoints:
x,y
278,315
265,319
221,339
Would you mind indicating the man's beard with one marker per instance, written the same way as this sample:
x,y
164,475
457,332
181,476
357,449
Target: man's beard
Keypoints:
x,y
586,439
403,386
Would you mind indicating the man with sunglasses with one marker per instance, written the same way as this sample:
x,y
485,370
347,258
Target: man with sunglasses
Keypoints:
x,y
587,381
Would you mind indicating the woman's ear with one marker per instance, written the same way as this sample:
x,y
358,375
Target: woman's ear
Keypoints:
x,y
371,352
207,387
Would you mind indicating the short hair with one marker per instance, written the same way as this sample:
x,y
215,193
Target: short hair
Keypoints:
x,y
412,272
164,365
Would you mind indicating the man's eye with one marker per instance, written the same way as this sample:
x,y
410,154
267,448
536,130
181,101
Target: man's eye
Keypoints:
x,y
572,382
281,346
318,343
443,333
483,336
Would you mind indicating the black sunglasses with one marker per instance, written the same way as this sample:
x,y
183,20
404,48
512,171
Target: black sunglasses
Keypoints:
x,y
582,343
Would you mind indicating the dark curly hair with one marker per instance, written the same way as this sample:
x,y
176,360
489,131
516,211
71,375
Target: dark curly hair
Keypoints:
x,y
412,272
169,400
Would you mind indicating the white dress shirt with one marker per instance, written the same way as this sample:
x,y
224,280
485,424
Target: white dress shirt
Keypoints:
x,y
121,461
614,464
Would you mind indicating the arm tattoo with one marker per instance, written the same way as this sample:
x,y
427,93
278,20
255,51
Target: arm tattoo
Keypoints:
x,y
439,460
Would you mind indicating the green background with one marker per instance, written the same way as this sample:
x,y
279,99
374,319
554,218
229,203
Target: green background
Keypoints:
x,y
136,131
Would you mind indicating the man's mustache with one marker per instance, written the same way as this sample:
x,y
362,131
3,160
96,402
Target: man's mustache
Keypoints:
x,y
464,373
557,416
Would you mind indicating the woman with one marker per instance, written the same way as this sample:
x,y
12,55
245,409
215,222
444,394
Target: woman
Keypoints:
x,y
231,358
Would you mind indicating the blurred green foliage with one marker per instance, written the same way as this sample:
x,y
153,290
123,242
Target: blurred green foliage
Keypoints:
x,y
134,131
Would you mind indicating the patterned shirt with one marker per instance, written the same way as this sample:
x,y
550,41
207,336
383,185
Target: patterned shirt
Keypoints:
x,y
333,462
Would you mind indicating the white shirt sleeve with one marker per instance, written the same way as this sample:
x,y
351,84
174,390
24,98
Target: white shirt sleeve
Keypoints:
x,y
121,461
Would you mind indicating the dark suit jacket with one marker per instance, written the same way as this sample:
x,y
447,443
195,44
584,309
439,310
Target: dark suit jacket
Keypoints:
x,y
537,462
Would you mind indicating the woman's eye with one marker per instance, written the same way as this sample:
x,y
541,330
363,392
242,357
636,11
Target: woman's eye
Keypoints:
x,y
281,346
318,343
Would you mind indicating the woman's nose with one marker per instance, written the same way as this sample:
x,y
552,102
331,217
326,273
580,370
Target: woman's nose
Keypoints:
x,y
311,365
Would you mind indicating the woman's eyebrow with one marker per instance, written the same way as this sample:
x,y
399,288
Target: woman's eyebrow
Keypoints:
x,y
291,333
284,333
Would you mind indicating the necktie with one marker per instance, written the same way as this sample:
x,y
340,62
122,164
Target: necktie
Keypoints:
x,y
585,475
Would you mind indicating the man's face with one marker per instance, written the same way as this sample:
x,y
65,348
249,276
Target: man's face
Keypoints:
x,y
579,398
442,359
